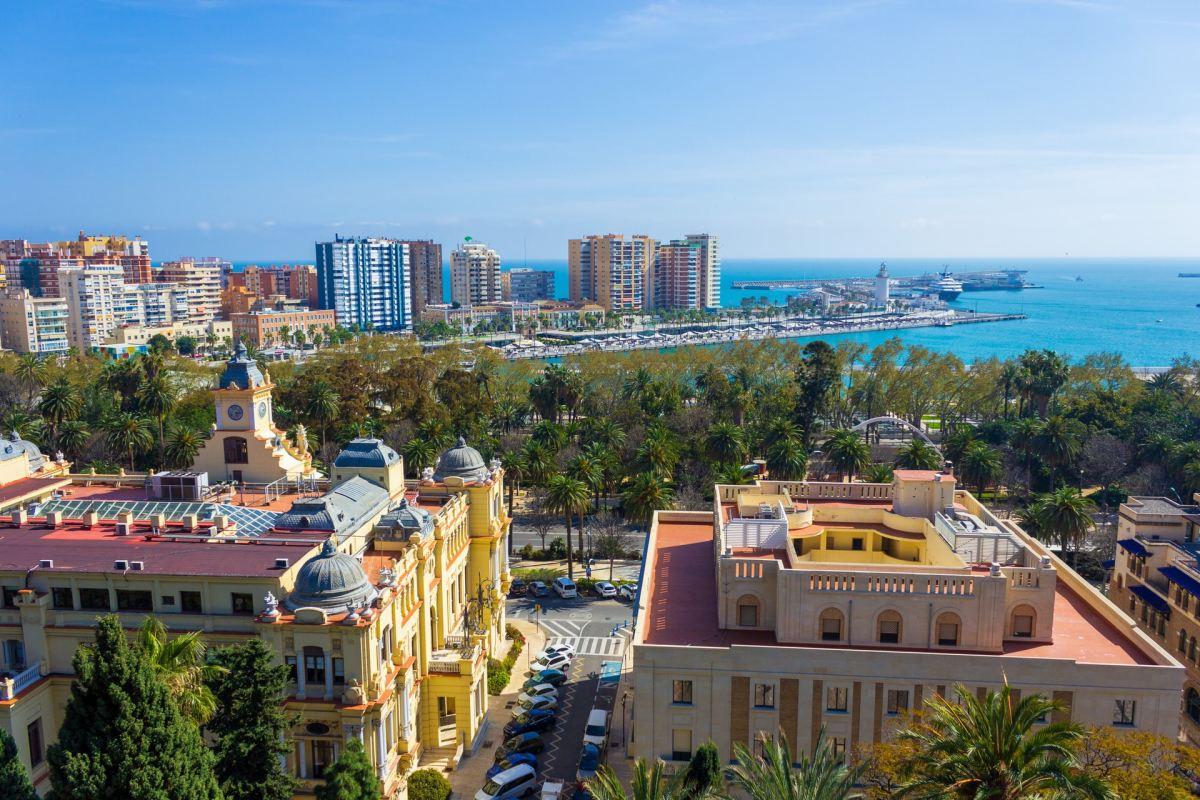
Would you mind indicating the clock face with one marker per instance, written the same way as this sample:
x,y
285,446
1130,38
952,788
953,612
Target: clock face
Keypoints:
x,y
262,410
235,412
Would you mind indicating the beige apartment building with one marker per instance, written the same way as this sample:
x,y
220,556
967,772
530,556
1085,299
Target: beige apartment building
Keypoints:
x,y
475,275
801,606
31,324
202,279
614,272
1156,579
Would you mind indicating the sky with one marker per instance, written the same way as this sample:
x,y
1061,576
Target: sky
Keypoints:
x,y
250,129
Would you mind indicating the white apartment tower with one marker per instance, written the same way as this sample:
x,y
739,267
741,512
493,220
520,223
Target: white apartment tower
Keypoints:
x,y
97,303
475,275
710,268
367,281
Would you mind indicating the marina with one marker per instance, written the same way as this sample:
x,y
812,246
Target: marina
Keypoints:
x,y
1000,280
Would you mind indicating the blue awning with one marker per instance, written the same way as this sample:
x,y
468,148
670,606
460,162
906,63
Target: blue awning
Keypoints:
x,y
1180,578
1150,598
1108,563
1133,546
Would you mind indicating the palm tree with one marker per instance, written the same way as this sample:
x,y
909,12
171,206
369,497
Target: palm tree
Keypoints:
x,y
649,783
771,775
590,472
787,459
980,465
514,465
879,473
73,436
419,453
60,402
569,497
539,462
129,434
180,664
659,451
30,371
644,495
724,444
1063,515
730,475
1024,441
988,747
157,398
848,452
182,446
918,454
323,406
1058,442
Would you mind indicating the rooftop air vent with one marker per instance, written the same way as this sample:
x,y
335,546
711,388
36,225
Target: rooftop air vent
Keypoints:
x,y
137,566
46,563
122,529
281,563
121,564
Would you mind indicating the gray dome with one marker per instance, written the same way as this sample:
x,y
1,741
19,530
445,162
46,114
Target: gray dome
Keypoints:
x,y
14,445
332,581
366,453
241,370
461,461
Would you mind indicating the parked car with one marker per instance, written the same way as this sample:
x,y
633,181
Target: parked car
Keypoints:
x,y
555,649
627,591
526,702
589,762
510,761
519,781
517,588
564,587
533,721
596,731
539,689
606,589
520,743
554,677
551,661
538,589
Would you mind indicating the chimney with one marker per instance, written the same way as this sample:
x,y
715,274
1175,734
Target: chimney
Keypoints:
x,y
54,519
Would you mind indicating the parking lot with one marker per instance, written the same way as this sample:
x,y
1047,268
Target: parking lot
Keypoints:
x,y
599,630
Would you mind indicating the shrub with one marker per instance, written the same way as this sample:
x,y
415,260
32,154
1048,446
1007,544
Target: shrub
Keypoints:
x,y
544,574
496,681
511,632
558,548
586,585
428,784
526,552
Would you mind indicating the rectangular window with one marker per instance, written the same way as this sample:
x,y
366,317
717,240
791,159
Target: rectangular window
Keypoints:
x,y
189,603
36,744
837,699
320,757
94,599
831,629
167,600
748,615
856,543
242,603
681,744
291,663
764,695
339,672
897,701
314,667
839,748
1023,626
1124,712
889,631
62,598
14,654
10,597
681,693
131,600
948,634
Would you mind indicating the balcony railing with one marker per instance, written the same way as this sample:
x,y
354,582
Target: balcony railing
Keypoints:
x,y
11,687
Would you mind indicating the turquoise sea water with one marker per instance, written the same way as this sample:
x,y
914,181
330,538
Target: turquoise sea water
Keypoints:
x,y
1117,307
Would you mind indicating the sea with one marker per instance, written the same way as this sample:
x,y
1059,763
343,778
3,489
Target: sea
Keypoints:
x,y
1137,307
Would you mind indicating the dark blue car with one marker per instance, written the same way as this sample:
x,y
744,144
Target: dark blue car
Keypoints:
x,y
510,761
529,722
521,743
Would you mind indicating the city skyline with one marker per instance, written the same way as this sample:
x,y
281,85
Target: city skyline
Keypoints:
x,y
1005,128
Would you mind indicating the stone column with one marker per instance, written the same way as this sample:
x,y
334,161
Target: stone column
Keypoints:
x,y
328,674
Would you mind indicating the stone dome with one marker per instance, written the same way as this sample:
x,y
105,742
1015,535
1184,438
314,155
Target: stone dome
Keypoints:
x,y
14,445
365,452
241,371
461,461
410,518
332,581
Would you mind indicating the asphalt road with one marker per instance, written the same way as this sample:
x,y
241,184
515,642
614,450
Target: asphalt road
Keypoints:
x,y
600,631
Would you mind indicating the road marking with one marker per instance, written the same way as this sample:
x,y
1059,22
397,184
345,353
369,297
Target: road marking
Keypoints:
x,y
562,630
599,645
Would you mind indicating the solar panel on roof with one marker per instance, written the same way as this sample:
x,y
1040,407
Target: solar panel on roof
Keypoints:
x,y
250,521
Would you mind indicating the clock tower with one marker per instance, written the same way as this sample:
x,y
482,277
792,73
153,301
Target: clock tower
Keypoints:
x,y
245,445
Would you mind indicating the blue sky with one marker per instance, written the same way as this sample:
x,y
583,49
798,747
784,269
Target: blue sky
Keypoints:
x,y
251,128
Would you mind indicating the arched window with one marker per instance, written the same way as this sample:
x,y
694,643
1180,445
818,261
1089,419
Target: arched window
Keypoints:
x,y
888,627
747,611
1024,621
235,450
946,629
1192,648
1191,704
831,623
1182,640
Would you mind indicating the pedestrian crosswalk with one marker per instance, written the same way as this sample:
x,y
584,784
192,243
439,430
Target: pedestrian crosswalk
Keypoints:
x,y
610,646
562,629
566,632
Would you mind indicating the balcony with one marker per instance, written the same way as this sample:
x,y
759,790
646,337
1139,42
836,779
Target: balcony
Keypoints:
x,y
451,659
10,688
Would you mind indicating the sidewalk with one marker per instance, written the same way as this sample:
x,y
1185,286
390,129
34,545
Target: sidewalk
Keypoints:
x,y
469,777
621,727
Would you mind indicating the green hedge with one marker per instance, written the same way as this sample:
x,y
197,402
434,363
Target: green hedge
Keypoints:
x,y
428,784
500,672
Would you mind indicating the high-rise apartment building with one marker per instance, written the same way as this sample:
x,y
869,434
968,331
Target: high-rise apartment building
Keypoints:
x,y
366,281
132,254
677,267
615,272
202,278
298,282
710,268
525,285
425,262
34,324
475,275
97,303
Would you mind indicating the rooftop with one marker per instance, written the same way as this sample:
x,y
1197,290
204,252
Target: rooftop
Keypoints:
x,y
1159,505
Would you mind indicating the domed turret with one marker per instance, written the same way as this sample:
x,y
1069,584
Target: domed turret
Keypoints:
x,y
461,461
363,452
333,582
241,371
14,446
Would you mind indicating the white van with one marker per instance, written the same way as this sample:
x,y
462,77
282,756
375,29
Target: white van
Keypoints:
x,y
515,781
596,731
565,588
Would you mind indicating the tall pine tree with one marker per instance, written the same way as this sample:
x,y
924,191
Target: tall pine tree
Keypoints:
x,y
14,782
123,737
351,777
249,723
